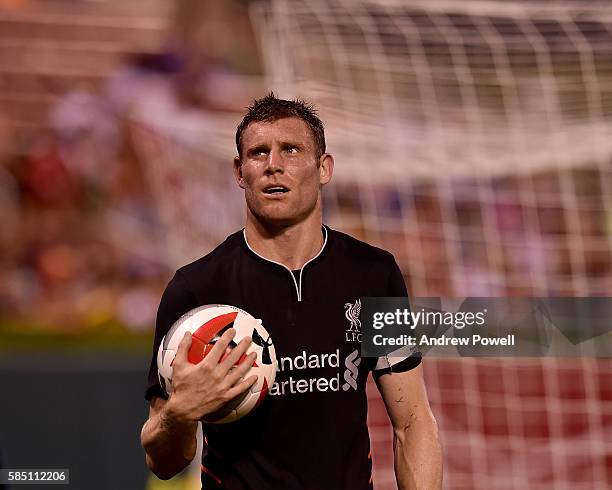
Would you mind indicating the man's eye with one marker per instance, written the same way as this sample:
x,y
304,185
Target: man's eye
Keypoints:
x,y
291,149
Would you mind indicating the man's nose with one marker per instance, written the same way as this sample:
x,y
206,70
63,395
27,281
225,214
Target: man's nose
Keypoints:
x,y
275,162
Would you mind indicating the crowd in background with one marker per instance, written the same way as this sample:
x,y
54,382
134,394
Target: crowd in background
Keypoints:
x,y
80,239
75,192
80,242
546,234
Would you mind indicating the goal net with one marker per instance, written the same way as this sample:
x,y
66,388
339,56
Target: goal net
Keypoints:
x,y
472,139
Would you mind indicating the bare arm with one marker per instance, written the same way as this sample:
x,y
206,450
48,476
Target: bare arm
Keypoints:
x,y
170,444
416,445
169,435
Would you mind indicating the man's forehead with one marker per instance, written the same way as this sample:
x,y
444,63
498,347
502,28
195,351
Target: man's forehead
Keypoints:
x,y
285,128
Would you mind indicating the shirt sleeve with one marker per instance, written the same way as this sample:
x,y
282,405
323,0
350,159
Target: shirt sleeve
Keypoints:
x,y
176,301
407,357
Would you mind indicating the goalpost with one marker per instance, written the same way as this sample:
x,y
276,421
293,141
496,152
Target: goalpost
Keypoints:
x,y
472,139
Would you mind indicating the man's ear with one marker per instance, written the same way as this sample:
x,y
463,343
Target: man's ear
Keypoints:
x,y
238,171
326,168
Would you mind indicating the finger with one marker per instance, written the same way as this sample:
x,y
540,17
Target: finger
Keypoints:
x,y
183,348
241,387
218,350
236,374
235,354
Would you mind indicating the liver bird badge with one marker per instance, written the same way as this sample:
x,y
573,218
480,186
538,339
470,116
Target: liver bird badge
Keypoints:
x,y
352,315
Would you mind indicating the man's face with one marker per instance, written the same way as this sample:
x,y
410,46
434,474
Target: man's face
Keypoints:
x,y
280,172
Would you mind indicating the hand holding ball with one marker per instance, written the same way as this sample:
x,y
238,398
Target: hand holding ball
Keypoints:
x,y
218,374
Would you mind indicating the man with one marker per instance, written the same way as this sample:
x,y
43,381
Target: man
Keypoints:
x,y
304,281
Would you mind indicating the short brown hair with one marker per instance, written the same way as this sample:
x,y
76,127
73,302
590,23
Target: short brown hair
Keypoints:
x,y
270,109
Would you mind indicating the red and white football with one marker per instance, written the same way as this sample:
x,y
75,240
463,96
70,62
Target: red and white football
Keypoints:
x,y
207,324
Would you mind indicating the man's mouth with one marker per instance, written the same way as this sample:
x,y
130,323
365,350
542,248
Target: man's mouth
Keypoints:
x,y
275,189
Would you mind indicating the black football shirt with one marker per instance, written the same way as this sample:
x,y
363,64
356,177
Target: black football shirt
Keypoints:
x,y
310,432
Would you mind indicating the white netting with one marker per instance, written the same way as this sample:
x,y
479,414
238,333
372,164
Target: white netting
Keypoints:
x,y
473,139
189,168
494,87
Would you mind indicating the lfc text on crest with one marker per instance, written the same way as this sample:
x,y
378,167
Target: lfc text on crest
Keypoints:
x,y
353,332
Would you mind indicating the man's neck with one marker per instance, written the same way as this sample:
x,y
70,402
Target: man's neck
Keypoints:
x,y
292,246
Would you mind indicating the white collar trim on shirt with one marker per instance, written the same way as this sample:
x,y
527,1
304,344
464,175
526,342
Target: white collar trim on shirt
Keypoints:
x,y
298,286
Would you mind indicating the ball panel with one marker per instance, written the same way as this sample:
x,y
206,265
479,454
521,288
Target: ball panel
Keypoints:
x,y
262,339
208,330
230,417
165,367
174,336
262,393
243,324
197,351
162,382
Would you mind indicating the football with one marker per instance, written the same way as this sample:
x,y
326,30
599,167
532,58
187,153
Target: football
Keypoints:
x,y
207,324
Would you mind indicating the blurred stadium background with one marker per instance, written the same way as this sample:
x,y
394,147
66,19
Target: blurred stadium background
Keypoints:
x,y
473,139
